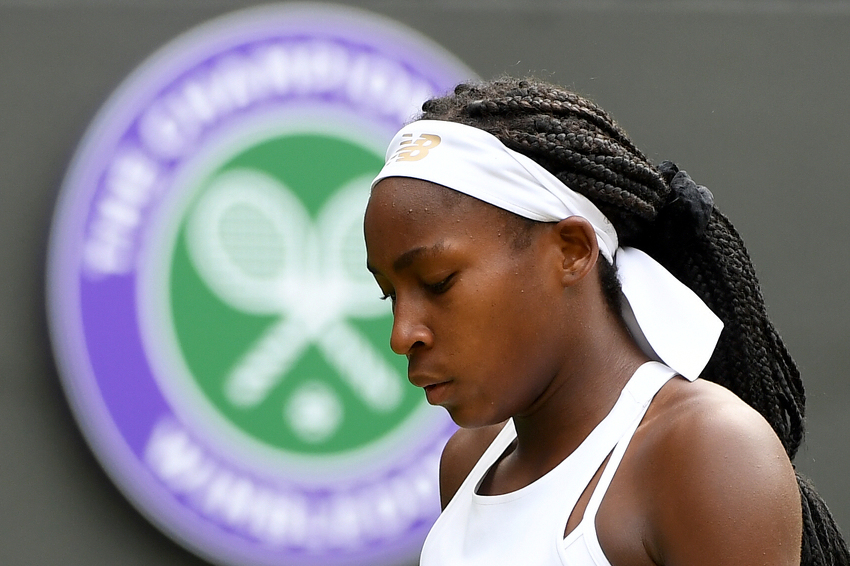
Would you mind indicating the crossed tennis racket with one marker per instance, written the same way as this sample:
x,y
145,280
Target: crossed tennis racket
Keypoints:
x,y
256,247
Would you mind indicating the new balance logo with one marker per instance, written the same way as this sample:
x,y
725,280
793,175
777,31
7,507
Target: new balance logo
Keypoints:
x,y
414,150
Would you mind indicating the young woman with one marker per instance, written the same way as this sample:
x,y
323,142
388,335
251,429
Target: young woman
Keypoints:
x,y
595,327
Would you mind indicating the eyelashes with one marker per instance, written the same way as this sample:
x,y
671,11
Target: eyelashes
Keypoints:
x,y
437,288
441,286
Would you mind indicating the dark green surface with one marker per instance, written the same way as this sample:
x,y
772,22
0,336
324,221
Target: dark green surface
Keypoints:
x,y
214,336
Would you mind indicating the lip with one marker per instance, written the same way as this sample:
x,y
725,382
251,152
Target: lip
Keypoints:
x,y
435,384
436,393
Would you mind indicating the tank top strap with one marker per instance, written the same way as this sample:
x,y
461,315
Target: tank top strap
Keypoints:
x,y
643,391
647,381
579,467
488,458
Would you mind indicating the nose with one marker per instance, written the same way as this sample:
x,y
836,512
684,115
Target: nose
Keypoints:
x,y
410,332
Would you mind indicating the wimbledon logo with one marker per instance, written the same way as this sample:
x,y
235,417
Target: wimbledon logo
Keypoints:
x,y
219,338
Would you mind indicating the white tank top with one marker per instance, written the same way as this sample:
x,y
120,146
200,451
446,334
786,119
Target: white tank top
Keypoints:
x,y
527,526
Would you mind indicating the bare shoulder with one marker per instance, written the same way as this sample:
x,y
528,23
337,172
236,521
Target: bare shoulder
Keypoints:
x,y
708,417
460,455
722,484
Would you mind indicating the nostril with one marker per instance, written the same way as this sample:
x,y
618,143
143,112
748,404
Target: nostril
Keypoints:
x,y
405,346
409,332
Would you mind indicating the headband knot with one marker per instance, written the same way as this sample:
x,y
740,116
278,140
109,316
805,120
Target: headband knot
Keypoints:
x,y
688,209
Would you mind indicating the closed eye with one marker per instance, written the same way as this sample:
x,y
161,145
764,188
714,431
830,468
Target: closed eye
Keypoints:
x,y
440,287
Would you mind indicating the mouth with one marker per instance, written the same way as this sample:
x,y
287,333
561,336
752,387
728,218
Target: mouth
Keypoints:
x,y
434,385
436,393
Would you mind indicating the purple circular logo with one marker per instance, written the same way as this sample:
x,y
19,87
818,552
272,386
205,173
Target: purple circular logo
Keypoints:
x,y
218,336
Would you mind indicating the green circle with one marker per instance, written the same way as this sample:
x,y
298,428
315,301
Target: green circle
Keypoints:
x,y
213,336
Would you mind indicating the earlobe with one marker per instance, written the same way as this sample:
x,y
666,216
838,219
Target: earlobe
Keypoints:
x,y
578,247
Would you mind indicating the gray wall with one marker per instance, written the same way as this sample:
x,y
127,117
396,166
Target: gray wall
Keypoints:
x,y
749,97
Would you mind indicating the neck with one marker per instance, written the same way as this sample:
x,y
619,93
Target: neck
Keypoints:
x,y
604,358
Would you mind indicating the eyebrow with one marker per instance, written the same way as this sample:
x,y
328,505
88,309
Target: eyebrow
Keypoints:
x,y
408,257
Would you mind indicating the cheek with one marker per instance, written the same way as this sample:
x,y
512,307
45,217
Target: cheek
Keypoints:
x,y
503,350
528,323
523,306
514,324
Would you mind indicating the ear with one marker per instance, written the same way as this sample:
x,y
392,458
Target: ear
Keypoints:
x,y
578,247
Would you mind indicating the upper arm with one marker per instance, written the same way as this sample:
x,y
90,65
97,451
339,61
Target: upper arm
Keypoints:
x,y
462,452
726,492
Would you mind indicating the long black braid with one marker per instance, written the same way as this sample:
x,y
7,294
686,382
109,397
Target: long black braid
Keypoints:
x,y
582,145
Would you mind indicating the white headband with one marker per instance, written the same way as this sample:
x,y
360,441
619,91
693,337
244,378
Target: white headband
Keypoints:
x,y
666,318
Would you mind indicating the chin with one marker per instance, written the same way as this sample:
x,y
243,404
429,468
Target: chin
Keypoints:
x,y
466,420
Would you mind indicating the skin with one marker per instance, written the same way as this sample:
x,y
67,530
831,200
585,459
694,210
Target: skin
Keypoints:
x,y
493,332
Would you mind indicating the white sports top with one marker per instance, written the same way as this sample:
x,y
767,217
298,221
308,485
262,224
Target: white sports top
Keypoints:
x,y
527,526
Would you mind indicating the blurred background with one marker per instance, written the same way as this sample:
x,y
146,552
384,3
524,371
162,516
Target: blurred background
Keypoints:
x,y
749,97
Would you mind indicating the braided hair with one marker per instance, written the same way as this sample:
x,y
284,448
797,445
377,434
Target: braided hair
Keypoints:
x,y
661,211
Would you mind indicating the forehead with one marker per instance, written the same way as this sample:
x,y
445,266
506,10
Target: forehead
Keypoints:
x,y
417,194
403,213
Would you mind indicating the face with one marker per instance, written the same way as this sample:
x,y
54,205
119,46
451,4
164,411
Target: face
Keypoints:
x,y
480,321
